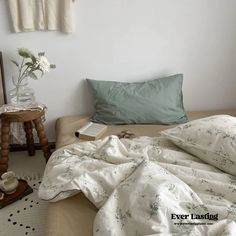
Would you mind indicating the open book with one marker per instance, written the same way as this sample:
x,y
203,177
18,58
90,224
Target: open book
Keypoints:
x,y
91,131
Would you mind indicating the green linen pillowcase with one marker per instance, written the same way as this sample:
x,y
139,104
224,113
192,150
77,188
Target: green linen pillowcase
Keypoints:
x,y
158,101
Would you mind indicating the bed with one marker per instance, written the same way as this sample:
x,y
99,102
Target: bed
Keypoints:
x,y
75,215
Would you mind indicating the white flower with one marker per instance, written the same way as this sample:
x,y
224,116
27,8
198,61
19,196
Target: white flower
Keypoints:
x,y
24,52
31,65
43,64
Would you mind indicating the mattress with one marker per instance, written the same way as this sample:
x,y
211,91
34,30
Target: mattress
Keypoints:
x,y
75,215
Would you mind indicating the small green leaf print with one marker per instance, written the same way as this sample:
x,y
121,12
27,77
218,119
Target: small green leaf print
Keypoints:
x,y
122,217
154,208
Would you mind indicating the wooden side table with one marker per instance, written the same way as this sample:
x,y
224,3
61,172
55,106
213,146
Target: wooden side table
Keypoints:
x,y
27,118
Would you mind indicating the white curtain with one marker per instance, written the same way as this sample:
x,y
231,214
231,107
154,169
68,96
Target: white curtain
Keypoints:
x,y
31,15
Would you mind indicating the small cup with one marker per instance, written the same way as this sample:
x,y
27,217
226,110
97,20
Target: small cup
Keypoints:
x,y
8,182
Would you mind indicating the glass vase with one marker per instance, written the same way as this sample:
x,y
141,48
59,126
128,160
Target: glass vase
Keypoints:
x,y
22,94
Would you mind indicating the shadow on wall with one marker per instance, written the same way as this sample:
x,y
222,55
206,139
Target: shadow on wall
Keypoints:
x,y
84,98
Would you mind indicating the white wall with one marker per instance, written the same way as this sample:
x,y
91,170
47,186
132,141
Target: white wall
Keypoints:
x,y
133,40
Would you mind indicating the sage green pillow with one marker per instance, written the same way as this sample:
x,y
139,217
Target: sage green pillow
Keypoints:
x,y
158,101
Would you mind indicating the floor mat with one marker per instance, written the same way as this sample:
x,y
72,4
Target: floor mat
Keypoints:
x,y
28,215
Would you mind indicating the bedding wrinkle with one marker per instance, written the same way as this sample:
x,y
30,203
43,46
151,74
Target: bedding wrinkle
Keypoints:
x,y
138,184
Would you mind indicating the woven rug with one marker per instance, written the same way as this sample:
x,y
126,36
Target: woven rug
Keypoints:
x,y
28,215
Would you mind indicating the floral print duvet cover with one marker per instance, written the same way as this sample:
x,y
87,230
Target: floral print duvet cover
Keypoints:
x,y
144,186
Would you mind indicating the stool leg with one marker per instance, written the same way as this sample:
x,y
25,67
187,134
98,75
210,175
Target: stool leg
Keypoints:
x,y
29,137
5,134
42,138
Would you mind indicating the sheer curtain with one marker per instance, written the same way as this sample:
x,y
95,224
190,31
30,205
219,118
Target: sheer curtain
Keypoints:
x,y
31,15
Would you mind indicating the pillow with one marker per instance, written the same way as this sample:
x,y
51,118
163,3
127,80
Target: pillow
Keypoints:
x,y
157,101
212,139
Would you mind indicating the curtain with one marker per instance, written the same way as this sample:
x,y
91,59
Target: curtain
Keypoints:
x,y
31,15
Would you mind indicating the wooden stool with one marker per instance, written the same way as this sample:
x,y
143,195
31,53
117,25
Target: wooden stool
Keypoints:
x,y
27,117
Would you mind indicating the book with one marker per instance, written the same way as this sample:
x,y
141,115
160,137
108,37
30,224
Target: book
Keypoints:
x,y
91,131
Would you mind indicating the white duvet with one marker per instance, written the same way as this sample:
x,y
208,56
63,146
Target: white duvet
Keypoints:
x,y
145,186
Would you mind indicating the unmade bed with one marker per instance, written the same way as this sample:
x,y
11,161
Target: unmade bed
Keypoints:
x,y
75,215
